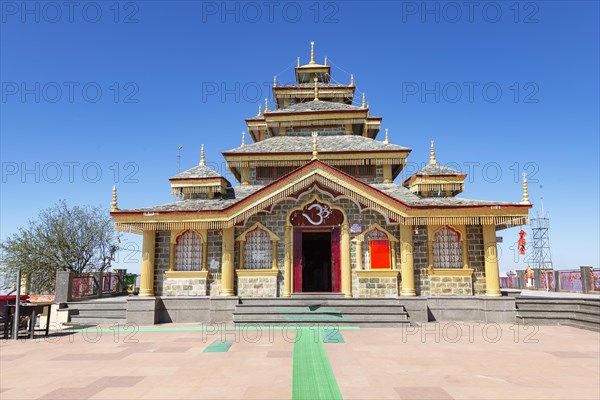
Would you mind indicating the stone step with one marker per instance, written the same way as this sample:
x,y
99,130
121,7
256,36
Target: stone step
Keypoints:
x,y
326,309
293,317
97,320
558,306
98,305
322,324
100,313
279,302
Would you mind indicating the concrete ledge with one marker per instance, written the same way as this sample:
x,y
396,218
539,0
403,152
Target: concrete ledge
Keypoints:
x,y
480,309
142,310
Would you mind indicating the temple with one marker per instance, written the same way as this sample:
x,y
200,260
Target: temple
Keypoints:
x,y
316,210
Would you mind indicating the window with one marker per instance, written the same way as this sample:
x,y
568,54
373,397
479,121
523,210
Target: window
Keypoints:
x,y
271,173
188,252
447,249
360,171
257,250
376,250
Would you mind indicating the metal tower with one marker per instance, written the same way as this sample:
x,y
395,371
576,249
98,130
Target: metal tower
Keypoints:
x,y
540,255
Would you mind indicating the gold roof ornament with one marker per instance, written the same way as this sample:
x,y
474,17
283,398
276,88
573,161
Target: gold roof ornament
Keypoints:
x,y
316,89
202,160
525,199
432,159
274,80
325,61
298,62
259,110
364,101
315,145
266,105
387,138
312,53
351,80
243,139
114,206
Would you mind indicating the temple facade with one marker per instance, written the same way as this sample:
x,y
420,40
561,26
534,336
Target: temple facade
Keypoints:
x,y
316,210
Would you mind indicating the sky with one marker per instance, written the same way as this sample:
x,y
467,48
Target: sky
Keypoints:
x,y
96,93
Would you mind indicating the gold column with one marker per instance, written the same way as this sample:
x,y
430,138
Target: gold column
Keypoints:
x,y
172,256
245,176
274,254
492,275
287,266
387,173
407,261
345,256
147,278
227,267
393,254
241,243
205,255
359,255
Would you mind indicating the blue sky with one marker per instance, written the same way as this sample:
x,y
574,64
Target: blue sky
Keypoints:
x,y
104,92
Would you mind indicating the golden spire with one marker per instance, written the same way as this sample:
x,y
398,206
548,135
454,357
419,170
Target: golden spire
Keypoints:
x,y
274,80
387,138
312,53
432,154
259,110
114,206
315,145
364,101
202,161
325,61
351,79
525,199
298,62
316,90
243,138
266,105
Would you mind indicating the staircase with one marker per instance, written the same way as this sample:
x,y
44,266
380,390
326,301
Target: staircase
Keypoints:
x,y
99,311
307,310
578,313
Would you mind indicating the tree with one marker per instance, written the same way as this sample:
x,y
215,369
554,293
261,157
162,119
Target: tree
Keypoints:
x,y
62,238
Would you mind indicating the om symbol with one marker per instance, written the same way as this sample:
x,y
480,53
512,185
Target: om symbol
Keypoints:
x,y
323,212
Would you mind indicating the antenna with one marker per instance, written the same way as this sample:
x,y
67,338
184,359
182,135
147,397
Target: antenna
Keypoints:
x,y
179,147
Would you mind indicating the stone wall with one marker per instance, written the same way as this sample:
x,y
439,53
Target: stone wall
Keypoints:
x,y
257,286
215,239
450,286
161,259
213,286
421,261
184,287
376,287
476,257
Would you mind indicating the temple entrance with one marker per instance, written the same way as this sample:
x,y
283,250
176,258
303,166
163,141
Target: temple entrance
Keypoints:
x,y
316,262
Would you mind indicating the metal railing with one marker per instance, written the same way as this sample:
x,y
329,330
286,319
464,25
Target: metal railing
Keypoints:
x,y
71,286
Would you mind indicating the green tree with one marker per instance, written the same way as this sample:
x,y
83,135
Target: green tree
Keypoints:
x,y
62,238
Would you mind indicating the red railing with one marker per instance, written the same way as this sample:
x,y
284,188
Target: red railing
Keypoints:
x,y
89,285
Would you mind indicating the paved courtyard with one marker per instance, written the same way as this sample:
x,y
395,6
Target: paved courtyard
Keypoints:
x,y
436,361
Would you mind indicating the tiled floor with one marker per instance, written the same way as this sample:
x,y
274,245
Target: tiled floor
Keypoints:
x,y
436,361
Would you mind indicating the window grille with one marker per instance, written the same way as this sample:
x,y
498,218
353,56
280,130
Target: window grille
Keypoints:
x,y
375,234
360,171
188,252
271,173
447,249
257,250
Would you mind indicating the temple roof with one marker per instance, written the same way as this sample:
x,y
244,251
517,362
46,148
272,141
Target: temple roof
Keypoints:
x,y
312,85
197,172
317,105
304,144
404,195
437,169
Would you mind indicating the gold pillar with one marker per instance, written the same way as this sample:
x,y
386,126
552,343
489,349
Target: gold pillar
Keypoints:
x,y
147,278
242,244
345,256
407,261
492,275
205,255
245,176
287,266
227,267
359,255
274,254
387,173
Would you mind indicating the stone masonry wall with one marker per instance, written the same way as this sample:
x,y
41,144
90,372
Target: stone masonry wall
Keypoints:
x,y
476,257
421,261
377,287
257,286
184,287
161,260
450,286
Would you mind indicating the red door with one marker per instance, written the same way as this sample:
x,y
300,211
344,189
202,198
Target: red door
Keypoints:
x,y
336,274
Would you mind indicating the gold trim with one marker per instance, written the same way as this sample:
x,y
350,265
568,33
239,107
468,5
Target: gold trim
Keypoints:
x,y
256,272
361,237
186,274
450,271
377,273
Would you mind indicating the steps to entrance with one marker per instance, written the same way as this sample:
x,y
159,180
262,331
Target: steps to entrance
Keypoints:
x,y
578,313
321,309
113,311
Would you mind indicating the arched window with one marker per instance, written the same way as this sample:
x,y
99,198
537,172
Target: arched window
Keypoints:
x,y
376,250
447,249
258,250
188,252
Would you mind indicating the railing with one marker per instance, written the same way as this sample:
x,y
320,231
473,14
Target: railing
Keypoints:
x,y
570,281
71,286
83,286
582,280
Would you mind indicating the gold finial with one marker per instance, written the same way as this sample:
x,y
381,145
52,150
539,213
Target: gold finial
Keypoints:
x,y
325,61
243,138
364,101
266,105
525,199
312,53
316,90
114,206
259,110
387,138
351,79
315,145
432,154
274,80
202,161
298,62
